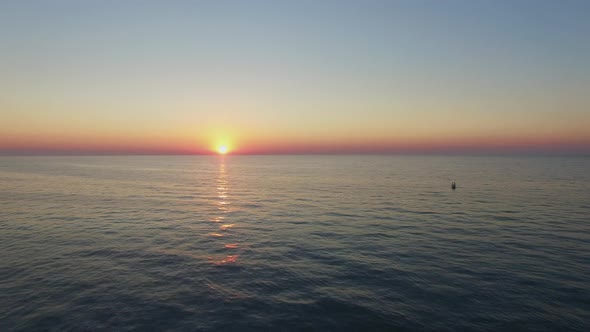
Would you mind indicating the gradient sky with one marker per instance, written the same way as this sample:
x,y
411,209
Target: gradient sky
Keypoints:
x,y
294,76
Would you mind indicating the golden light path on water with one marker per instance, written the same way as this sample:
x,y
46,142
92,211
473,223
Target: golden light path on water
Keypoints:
x,y
223,207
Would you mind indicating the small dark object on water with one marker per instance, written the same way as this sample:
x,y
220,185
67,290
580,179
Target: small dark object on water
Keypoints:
x,y
453,186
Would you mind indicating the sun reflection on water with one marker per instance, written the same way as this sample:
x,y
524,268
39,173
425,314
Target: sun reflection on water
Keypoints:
x,y
223,206
226,227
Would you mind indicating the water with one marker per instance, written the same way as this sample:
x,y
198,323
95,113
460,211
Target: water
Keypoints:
x,y
294,242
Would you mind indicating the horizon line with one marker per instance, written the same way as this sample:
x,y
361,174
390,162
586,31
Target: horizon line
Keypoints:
x,y
396,153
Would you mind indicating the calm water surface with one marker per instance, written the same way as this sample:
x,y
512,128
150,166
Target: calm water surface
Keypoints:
x,y
294,243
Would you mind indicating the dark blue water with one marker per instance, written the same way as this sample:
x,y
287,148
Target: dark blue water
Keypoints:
x,y
294,243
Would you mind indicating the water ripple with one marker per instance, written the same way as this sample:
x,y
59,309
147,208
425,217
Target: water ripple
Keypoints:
x,y
294,243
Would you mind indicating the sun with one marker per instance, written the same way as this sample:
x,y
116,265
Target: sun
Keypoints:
x,y
222,149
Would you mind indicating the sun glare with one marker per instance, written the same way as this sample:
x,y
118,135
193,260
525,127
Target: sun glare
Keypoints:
x,y
222,149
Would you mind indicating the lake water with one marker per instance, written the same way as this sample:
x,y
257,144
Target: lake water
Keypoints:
x,y
294,243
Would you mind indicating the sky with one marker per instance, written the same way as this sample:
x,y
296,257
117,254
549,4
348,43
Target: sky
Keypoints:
x,y
264,77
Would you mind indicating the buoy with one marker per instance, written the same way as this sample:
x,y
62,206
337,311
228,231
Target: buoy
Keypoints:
x,y
453,185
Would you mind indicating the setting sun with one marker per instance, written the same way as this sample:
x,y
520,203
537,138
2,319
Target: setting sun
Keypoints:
x,y
222,149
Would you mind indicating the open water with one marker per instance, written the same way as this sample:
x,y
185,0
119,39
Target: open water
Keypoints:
x,y
326,243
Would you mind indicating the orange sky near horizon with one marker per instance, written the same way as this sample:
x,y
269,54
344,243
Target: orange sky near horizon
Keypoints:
x,y
243,143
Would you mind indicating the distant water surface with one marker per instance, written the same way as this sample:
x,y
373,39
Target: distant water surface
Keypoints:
x,y
294,243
